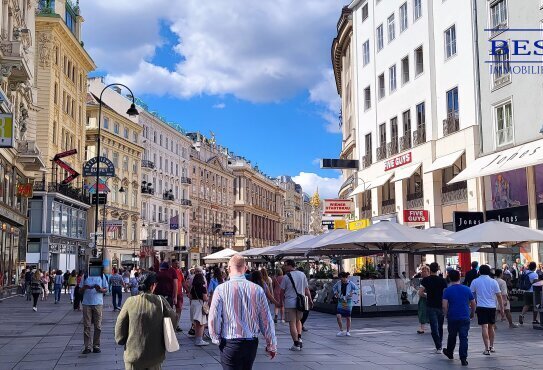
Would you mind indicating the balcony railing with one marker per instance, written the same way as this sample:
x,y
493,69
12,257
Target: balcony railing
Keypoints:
x,y
454,193
405,141
451,124
147,164
366,207
415,200
186,202
67,190
366,160
46,7
388,206
185,180
381,152
392,147
501,79
419,135
168,196
147,190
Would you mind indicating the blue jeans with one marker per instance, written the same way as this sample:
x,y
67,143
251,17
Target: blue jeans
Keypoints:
x,y
435,316
460,328
117,296
58,289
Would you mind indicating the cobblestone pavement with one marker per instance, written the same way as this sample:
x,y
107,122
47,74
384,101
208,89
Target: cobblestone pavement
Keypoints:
x,y
52,338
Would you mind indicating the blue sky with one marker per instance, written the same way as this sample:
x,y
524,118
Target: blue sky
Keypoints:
x,y
264,87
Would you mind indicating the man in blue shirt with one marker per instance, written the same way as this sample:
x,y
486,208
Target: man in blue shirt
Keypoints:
x,y
459,307
92,288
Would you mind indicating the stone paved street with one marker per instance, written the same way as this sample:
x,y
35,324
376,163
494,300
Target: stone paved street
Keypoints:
x,y
52,339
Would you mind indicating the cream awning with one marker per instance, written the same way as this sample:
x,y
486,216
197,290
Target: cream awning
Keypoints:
x,y
444,162
380,181
359,189
521,156
406,172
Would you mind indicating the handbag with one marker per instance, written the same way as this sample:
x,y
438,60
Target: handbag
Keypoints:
x,y
302,302
205,308
170,340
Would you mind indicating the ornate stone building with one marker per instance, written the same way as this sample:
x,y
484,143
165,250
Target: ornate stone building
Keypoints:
x,y
58,236
293,207
258,207
211,222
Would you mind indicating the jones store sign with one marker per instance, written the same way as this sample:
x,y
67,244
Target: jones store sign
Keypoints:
x,y
338,206
399,161
415,215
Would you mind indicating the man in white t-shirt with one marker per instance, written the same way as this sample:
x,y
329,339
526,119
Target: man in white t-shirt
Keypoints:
x,y
488,296
529,293
498,273
288,297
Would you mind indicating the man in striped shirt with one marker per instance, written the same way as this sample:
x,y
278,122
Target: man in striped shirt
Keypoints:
x,y
239,313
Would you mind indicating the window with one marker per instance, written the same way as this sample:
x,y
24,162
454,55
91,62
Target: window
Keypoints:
x,y
417,9
135,137
365,12
382,134
125,163
419,61
405,70
106,123
450,42
504,124
394,129
498,14
403,17
421,115
406,118
116,128
381,80
115,159
366,52
452,102
391,28
126,133
380,38
54,132
501,67
55,99
392,78
367,98
368,145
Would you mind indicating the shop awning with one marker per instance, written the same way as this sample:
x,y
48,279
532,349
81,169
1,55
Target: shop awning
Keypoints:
x,y
359,189
406,172
444,162
380,181
520,156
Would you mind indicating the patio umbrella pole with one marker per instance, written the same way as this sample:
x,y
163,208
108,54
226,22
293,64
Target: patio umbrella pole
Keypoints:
x,y
386,266
495,248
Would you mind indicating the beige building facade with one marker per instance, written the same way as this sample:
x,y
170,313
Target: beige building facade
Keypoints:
x,y
258,207
293,208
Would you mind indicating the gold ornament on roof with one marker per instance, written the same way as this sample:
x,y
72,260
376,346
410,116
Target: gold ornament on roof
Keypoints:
x,y
212,141
315,199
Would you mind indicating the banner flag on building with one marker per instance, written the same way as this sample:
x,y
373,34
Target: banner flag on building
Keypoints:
x,y
174,222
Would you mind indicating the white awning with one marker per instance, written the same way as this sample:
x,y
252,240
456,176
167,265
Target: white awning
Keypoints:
x,y
521,156
444,162
380,181
406,172
359,189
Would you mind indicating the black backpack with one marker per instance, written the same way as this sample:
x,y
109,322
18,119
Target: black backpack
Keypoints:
x,y
524,282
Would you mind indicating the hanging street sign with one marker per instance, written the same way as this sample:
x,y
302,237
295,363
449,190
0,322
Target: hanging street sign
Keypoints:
x,y
107,169
6,130
65,166
102,187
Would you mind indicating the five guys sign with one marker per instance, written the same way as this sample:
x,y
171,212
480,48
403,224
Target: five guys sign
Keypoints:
x,y
398,161
73,173
415,215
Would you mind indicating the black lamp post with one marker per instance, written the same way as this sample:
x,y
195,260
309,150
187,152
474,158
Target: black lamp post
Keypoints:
x,y
132,111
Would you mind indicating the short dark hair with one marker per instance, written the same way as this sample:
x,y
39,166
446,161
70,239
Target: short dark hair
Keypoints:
x,y
454,276
484,270
344,274
290,263
474,264
434,267
532,266
498,273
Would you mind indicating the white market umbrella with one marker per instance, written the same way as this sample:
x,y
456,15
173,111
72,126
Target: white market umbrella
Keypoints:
x,y
386,237
495,233
438,231
253,252
281,248
318,241
222,255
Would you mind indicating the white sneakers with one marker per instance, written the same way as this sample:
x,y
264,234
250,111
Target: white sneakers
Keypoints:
x,y
295,348
35,309
348,334
201,343
340,334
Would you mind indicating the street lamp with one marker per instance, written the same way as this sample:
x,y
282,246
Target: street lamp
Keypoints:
x,y
132,111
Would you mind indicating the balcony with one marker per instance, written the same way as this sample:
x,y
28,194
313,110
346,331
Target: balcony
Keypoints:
x,y
185,202
419,135
381,152
454,193
147,164
415,200
168,195
388,206
15,64
147,188
67,190
29,155
392,147
366,160
451,124
185,180
405,141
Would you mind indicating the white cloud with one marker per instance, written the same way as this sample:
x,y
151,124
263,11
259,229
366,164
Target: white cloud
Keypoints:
x,y
316,162
328,186
260,51
219,106
325,94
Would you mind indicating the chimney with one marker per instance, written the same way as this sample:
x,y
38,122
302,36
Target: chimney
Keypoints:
x,y
117,89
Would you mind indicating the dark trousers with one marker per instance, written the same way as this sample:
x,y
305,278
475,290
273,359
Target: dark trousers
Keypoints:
x,y
77,298
238,354
58,290
117,296
460,328
35,296
304,317
435,317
